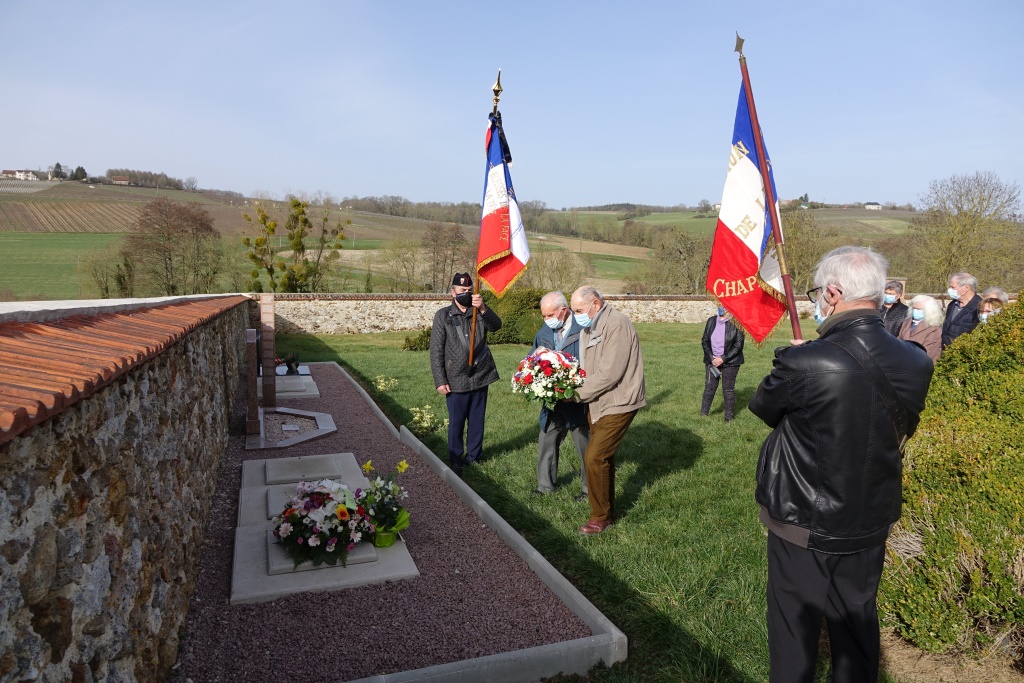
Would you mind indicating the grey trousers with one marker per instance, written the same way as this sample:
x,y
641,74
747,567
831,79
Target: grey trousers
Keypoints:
x,y
548,444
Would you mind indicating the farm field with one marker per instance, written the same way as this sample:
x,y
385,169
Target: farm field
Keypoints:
x,y
67,217
47,266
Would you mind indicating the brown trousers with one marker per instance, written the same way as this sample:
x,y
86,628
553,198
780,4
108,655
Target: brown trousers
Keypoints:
x,y
605,436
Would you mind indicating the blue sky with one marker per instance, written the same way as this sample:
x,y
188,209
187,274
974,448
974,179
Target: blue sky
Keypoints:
x,y
604,101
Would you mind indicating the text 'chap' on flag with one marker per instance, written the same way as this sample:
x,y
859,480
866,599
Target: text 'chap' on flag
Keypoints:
x,y
744,273
503,252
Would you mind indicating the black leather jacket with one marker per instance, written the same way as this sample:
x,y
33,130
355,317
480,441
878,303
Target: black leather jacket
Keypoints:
x,y
734,337
831,468
893,317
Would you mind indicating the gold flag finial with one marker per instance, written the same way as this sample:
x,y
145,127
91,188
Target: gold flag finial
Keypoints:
x,y
497,91
739,44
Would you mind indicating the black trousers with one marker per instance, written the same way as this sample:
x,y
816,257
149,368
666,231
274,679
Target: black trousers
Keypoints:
x,y
728,389
804,586
466,409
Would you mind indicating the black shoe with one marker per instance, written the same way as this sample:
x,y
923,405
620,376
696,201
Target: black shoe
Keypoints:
x,y
538,492
582,497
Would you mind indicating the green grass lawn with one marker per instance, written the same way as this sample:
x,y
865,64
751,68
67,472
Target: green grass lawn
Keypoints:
x,y
683,570
46,265
611,267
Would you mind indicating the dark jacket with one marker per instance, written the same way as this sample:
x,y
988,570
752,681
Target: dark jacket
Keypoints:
x,y
734,337
831,471
449,349
893,317
574,414
966,321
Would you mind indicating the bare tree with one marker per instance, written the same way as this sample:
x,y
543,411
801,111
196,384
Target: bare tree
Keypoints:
x,y
175,248
190,184
805,243
971,223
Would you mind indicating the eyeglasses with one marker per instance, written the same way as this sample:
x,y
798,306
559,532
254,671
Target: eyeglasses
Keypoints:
x,y
813,294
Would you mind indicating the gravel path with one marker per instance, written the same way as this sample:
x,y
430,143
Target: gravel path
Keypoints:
x,y
474,596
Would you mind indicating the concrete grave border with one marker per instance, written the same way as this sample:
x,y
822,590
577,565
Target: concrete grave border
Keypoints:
x,y
324,423
608,645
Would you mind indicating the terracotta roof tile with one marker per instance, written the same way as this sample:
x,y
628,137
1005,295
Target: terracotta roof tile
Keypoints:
x,y
47,366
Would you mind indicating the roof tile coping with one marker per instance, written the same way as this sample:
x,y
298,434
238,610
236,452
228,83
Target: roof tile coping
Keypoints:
x,y
75,350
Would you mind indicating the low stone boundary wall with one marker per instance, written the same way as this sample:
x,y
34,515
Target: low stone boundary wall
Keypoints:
x,y
360,313
102,513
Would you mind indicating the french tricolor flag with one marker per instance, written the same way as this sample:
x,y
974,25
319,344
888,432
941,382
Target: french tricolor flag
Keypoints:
x,y
744,273
503,252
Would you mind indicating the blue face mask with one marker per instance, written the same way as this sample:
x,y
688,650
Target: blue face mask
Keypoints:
x,y
890,298
983,317
918,314
819,317
721,312
952,293
554,323
583,319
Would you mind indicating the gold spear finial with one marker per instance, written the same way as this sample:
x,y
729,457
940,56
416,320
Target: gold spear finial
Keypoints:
x,y
497,92
739,44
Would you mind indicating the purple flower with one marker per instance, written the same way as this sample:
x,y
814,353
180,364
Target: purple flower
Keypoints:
x,y
299,541
307,505
333,540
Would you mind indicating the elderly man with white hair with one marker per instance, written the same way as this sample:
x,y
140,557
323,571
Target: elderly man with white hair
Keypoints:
x,y
829,476
962,312
613,390
560,332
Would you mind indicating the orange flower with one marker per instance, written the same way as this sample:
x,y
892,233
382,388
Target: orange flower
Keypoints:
x,y
342,513
289,511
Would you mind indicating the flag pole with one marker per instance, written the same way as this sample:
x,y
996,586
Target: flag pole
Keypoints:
x,y
762,160
496,89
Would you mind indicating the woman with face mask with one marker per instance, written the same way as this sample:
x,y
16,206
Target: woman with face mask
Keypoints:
x,y
723,356
924,325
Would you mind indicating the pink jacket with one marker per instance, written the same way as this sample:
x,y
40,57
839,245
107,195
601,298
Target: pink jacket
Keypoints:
x,y
928,336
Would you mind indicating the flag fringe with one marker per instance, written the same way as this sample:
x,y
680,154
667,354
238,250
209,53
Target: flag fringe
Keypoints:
x,y
489,259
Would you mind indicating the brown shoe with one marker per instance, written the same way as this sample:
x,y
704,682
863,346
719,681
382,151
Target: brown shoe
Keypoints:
x,y
594,527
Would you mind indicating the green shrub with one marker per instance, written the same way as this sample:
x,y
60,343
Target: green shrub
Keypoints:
x,y
519,311
955,565
421,342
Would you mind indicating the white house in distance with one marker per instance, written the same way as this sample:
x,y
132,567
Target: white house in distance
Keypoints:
x,y
874,206
119,179
19,175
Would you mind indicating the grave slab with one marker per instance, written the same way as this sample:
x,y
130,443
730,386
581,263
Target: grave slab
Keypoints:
x,y
250,581
292,386
262,571
302,468
280,563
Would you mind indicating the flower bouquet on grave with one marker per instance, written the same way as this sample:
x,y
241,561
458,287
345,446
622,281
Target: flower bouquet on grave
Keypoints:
x,y
381,503
320,523
549,377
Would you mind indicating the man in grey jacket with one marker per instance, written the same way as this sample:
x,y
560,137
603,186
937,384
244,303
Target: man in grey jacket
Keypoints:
x,y
613,390
463,386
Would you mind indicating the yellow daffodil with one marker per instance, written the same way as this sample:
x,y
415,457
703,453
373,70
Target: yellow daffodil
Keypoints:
x,y
402,466
368,467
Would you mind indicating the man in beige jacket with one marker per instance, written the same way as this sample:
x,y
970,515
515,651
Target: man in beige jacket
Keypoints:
x,y
613,391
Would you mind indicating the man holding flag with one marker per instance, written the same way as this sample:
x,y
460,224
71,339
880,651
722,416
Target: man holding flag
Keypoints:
x,y
461,362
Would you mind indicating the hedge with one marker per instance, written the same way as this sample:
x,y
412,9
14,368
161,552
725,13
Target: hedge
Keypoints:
x,y
954,578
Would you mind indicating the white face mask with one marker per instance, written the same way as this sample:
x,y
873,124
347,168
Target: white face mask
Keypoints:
x,y
952,293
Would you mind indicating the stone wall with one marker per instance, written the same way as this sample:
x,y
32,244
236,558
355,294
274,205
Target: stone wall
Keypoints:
x,y
352,313
102,514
